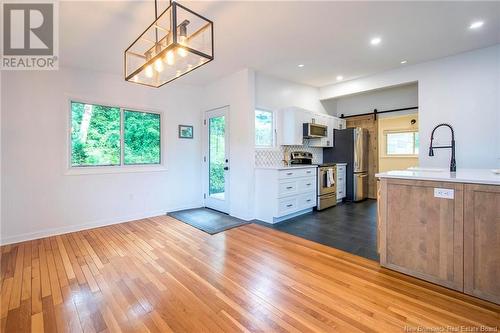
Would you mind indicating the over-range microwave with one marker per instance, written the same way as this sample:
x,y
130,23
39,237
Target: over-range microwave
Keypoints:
x,y
311,130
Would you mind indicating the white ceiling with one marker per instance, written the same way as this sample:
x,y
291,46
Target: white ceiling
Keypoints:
x,y
329,38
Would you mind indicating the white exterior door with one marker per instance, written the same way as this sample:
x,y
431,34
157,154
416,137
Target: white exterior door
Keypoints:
x,y
216,159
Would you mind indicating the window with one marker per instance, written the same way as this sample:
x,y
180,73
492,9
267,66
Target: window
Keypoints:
x,y
142,137
402,143
95,135
113,136
264,128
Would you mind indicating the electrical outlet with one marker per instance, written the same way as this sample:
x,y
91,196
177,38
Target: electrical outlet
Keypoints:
x,y
444,193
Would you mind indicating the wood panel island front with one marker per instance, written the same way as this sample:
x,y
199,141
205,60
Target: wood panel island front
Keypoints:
x,y
442,227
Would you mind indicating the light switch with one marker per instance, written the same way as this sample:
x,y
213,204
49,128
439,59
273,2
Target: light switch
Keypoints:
x,y
444,193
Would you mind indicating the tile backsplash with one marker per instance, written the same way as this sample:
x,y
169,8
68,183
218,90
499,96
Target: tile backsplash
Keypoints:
x,y
274,157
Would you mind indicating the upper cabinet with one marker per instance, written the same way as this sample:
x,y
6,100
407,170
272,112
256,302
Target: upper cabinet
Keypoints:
x,y
290,127
339,123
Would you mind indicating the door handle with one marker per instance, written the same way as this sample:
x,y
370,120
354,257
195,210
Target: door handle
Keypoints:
x,y
226,168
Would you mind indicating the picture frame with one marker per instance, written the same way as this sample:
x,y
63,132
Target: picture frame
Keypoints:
x,y
186,131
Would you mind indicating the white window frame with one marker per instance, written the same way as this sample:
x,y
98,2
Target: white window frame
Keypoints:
x,y
386,154
122,168
273,126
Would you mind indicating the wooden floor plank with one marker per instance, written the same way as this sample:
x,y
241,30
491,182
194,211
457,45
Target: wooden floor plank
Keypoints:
x,y
161,275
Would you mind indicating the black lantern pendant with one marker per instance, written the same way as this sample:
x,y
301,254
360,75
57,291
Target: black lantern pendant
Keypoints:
x,y
177,42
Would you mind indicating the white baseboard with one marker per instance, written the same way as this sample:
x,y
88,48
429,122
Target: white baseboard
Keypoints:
x,y
90,225
246,217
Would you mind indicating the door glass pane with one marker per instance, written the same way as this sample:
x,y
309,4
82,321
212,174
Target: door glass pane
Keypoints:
x,y
216,128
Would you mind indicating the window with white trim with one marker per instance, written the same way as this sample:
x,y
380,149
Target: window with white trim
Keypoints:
x,y
113,136
264,129
404,143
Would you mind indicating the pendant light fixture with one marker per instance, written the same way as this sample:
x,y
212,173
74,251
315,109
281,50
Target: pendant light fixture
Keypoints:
x,y
177,42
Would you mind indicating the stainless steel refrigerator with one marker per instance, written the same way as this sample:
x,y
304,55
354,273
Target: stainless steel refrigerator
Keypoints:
x,y
350,146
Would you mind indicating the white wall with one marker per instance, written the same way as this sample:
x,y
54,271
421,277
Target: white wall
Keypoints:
x,y
273,94
397,97
462,90
1,155
238,92
39,199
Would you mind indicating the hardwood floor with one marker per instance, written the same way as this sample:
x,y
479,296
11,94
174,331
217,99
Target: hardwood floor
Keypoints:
x,y
161,275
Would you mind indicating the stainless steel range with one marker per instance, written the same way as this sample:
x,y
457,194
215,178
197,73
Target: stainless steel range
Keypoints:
x,y
327,188
300,158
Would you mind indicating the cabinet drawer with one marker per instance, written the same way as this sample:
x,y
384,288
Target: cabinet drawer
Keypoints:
x,y
294,173
287,206
307,184
307,200
287,188
340,194
309,172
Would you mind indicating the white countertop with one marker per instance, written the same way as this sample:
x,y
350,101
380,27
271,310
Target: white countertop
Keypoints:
x,y
281,167
474,176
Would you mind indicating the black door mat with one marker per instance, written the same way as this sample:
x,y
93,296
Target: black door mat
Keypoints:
x,y
208,220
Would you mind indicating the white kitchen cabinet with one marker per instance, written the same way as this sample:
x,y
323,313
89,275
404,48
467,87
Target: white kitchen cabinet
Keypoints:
x,y
282,193
329,122
290,128
341,181
339,123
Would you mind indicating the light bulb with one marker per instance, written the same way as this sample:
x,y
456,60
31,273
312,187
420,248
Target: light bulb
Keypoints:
x,y
182,52
170,58
149,71
182,40
159,65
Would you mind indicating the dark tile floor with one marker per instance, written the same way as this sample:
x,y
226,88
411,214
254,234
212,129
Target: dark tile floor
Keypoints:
x,y
351,227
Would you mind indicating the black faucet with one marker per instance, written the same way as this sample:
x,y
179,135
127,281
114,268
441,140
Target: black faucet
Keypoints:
x,y
453,163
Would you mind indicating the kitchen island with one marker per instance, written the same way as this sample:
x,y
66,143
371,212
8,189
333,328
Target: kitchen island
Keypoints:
x,y
442,227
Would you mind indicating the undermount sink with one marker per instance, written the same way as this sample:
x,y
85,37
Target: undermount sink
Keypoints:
x,y
426,169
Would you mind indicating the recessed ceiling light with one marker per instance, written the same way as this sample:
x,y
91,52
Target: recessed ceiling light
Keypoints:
x,y
476,24
340,78
300,65
375,41
404,62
